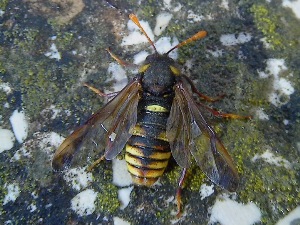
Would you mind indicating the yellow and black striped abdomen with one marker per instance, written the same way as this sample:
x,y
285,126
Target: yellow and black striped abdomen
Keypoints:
x,y
148,150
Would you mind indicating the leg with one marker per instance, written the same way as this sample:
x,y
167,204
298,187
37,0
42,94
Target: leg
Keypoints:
x,y
223,115
91,167
207,98
178,192
202,96
120,61
100,93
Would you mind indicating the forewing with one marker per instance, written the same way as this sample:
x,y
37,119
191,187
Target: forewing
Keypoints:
x,y
119,134
107,127
206,148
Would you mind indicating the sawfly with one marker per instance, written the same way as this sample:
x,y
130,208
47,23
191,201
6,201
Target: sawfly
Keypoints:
x,y
154,117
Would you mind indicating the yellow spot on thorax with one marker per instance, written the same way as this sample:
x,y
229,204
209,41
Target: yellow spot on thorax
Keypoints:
x,y
143,68
175,71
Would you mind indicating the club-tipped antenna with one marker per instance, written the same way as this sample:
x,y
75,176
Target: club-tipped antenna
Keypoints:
x,y
137,22
200,34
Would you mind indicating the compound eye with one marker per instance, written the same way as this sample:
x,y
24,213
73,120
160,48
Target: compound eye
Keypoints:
x,y
143,68
175,71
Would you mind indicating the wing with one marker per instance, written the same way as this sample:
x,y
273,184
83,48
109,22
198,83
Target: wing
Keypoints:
x,y
106,132
190,135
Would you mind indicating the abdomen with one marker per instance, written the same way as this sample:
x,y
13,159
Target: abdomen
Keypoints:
x,y
148,150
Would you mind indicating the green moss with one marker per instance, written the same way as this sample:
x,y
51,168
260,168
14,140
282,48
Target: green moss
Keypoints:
x,y
38,88
245,141
195,178
173,175
107,199
267,23
3,190
3,4
3,99
259,88
174,29
273,188
148,11
2,68
37,77
164,215
26,40
54,24
65,40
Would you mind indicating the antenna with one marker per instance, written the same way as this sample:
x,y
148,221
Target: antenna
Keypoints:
x,y
137,22
200,34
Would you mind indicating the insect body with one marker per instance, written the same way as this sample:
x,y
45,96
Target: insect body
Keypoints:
x,y
148,150
153,117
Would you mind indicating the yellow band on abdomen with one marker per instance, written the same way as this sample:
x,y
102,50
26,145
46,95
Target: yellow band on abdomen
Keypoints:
x,y
156,108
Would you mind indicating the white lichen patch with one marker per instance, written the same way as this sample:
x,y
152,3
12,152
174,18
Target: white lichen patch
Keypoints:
x,y
286,122
5,87
140,57
53,53
235,39
46,142
6,105
194,18
293,216
120,221
124,196
162,21
19,125
84,202
118,75
281,86
7,140
261,114
167,3
228,212
23,152
135,36
32,207
262,74
164,44
13,192
171,7
270,158
294,5
206,190
121,176
78,178
284,86
176,7
49,141
51,110
169,200
34,195
225,4
216,53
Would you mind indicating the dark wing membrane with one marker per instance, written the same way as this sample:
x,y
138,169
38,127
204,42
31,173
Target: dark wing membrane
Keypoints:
x,y
193,136
179,132
108,129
